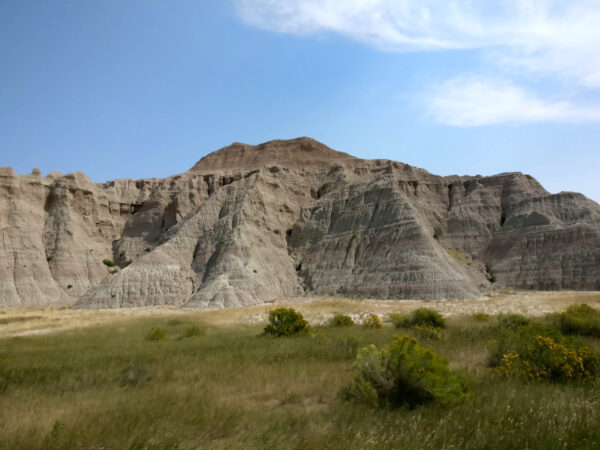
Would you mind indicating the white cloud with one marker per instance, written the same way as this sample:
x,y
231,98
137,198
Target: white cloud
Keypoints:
x,y
552,38
475,101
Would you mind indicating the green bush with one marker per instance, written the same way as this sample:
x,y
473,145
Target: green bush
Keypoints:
x,y
404,374
156,334
341,320
427,317
108,263
399,320
193,330
582,320
481,317
286,322
541,353
373,321
513,321
422,317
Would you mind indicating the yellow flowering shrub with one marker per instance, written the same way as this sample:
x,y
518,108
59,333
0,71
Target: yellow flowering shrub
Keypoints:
x,y
373,321
531,354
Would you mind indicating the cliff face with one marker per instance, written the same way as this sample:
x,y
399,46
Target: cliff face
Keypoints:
x,y
249,224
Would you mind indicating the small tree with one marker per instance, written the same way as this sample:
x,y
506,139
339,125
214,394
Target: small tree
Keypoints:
x,y
286,322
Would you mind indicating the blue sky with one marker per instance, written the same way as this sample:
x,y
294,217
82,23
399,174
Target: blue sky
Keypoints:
x,y
144,88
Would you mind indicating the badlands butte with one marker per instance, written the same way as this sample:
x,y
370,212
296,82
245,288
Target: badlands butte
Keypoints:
x,y
252,224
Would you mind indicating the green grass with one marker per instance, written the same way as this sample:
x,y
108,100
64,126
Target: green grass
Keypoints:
x,y
109,387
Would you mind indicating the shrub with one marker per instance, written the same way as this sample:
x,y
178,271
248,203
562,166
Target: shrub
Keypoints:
x,y
511,340
340,320
286,322
156,334
481,317
373,321
513,321
399,320
108,263
580,320
422,317
427,317
541,353
404,374
49,258
193,330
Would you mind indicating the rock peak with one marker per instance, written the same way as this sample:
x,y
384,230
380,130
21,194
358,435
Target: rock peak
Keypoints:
x,y
292,153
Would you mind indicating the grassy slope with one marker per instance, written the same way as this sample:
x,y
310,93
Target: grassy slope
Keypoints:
x,y
107,387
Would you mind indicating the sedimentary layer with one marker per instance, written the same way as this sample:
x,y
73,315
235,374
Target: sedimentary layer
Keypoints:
x,y
250,224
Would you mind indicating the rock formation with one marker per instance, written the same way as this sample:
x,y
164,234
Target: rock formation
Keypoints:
x,y
250,224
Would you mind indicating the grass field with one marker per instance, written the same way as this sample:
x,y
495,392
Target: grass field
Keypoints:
x,y
106,386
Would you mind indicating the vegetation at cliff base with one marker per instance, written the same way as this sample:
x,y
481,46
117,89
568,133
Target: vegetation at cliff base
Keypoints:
x,y
341,320
580,320
286,322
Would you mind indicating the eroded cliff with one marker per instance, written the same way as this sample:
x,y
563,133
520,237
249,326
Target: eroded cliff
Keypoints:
x,y
249,224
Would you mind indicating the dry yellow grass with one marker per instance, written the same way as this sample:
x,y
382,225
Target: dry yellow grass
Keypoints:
x,y
32,321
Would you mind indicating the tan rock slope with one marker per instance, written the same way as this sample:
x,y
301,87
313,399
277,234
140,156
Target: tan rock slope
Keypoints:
x,y
249,224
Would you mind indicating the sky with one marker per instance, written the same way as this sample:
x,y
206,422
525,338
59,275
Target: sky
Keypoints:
x,y
145,88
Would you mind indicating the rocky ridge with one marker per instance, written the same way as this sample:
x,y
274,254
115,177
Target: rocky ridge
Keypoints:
x,y
250,224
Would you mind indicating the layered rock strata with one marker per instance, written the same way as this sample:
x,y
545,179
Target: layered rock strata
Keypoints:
x,y
250,224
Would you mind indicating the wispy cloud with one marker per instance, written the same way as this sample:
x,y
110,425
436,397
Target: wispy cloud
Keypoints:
x,y
551,38
475,101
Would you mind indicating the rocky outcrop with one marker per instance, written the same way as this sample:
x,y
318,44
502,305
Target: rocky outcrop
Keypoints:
x,y
249,224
